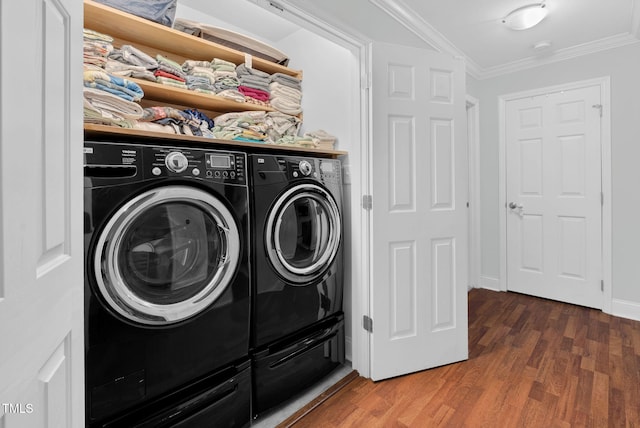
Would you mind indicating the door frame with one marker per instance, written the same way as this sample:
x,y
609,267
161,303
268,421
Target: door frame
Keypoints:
x,y
605,151
473,152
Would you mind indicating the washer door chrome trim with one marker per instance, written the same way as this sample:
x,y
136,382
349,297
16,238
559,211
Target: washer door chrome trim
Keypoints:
x,y
113,286
298,275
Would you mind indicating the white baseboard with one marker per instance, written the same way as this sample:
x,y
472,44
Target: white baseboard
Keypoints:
x,y
490,283
625,309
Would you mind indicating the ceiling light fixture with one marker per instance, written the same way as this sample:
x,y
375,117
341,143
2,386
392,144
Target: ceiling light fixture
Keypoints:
x,y
526,16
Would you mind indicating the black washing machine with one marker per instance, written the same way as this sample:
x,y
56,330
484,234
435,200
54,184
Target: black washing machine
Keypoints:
x,y
297,334
167,286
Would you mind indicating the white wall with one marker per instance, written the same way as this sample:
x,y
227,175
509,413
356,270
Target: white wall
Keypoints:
x,y
623,66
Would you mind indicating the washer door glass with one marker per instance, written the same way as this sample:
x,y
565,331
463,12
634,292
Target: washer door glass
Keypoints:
x,y
167,255
303,233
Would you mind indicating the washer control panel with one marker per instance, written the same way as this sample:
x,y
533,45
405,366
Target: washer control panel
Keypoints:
x,y
214,165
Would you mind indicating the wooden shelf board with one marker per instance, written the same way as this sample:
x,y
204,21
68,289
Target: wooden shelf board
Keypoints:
x,y
136,30
112,132
193,99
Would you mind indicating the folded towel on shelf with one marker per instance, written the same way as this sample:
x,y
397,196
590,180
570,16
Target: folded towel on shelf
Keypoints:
x,y
322,139
169,66
171,82
280,90
96,47
243,70
222,65
254,93
285,79
286,106
97,78
122,69
232,94
111,107
190,64
134,56
162,73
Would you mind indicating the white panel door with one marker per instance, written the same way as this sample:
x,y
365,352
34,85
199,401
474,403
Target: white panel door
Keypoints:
x,y
41,247
419,214
553,175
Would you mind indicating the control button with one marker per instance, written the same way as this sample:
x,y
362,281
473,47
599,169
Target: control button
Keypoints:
x,y
315,174
209,173
295,173
305,167
176,162
225,174
156,171
217,174
195,172
233,174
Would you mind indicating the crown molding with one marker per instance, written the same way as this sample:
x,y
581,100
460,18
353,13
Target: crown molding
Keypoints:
x,y
560,55
406,16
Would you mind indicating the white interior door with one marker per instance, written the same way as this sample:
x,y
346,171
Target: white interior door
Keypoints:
x,y
553,194
41,248
419,213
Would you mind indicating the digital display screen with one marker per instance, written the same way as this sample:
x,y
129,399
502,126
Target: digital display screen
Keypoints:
x,y
326,166
220,161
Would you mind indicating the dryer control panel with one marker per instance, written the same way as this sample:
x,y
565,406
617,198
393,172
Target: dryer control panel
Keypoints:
x,y
111,162
213,165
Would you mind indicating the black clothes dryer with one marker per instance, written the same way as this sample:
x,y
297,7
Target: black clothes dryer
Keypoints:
x,y
297,333
167,283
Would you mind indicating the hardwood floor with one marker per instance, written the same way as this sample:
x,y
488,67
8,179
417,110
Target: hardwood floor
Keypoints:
x,y
532,363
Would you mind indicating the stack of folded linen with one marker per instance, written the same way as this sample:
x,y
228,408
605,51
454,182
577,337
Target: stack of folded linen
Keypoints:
x,y
322,139
254,84
96,47
286,93
226,80
199,76
99,79
173,121
110,100
129,61
170,73
256,126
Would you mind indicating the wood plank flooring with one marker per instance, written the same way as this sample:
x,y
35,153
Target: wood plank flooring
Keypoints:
x,y
532,363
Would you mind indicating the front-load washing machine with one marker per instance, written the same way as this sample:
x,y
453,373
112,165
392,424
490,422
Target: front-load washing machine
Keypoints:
x,y
297,333
167,286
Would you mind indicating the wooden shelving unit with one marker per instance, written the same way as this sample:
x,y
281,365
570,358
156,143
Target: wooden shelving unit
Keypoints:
x,y
93,131
153,39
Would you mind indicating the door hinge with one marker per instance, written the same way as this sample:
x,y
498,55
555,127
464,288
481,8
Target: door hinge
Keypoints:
x,y
602,285
367,202
599,107
367,323
365,81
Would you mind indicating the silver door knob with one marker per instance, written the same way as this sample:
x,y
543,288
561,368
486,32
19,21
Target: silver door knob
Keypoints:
x,y
514,206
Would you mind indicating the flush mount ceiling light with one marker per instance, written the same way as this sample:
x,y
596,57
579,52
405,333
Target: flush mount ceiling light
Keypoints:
x,y
526,16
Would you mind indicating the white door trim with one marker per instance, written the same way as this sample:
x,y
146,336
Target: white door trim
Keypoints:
x,y
473,138
605,84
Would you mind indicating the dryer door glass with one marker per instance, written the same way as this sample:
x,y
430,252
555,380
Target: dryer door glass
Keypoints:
x,y
167,255
170,252
304,233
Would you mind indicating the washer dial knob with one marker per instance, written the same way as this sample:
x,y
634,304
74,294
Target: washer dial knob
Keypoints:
x,y
304,167
176,162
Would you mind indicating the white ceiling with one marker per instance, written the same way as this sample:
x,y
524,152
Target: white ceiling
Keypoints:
x,y
474,29
471,29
